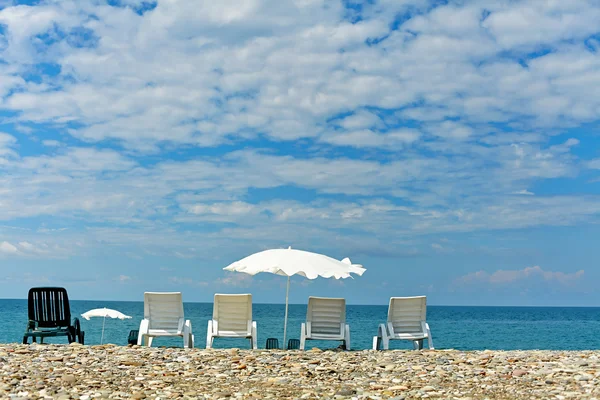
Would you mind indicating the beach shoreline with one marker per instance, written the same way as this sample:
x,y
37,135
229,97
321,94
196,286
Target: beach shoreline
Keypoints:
x,y
87,372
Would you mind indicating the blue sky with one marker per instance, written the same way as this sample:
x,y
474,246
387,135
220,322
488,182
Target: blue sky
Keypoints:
x,y
451,148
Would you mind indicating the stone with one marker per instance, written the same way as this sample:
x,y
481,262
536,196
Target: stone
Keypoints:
x,y
69,379
346,392
96,372
397,388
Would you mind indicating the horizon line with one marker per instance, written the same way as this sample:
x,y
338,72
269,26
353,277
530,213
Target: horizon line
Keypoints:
x,y
348,304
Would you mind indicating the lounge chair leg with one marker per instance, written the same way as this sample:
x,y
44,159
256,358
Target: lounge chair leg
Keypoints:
x,y
188,338
429,338
347,335
209,334
302,336
383,341
254,338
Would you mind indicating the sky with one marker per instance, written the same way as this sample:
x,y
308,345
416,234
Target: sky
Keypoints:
x,y
450,147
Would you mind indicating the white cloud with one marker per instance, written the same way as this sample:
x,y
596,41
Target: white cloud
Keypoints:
x,y
504,277
594,164
368,138
237,280
361,120
7,143
524,192
431,127
51,143
286,76
177,280
533,23
7,248
226,209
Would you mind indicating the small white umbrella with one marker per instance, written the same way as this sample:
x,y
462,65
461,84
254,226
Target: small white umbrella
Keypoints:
x,y
104,312
288,262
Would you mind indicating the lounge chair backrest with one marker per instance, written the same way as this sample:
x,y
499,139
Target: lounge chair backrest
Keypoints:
x,y
233,313
164,310
326,315
405,314
49,307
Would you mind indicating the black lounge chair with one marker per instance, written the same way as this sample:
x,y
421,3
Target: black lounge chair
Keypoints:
x,y
272,343
50,316
133,336
293,344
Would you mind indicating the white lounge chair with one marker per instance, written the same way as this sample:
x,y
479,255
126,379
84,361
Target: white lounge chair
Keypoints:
x,y
406,321
163,316
325,320
232,318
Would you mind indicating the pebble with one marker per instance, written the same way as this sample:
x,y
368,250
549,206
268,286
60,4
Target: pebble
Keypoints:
x,y
96,372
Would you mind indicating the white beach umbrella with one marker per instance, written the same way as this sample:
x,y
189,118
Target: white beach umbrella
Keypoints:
x,y
104,312
288,262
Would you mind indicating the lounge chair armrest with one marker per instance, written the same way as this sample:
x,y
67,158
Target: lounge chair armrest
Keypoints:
x,y
254,333
187,325
78,334
31,324
390,329
383,331
144,328
188,337
425,328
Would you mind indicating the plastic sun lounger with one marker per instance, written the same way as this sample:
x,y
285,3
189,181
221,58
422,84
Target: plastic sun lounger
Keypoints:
x,y
49,315
232,318
163,317
325,320
406,321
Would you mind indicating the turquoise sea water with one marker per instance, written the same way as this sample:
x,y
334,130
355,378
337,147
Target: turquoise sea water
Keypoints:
x,y
465,328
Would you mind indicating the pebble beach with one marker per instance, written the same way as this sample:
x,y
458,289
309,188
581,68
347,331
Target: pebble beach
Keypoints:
x,y
116,372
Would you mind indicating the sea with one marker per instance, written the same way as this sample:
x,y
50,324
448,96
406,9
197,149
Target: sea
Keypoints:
x,y
452,327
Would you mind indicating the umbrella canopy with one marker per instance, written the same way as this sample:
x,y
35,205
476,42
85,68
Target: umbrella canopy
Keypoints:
x,y
289,262
104,313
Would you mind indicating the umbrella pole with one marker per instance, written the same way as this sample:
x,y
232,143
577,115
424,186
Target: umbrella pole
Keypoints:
x,y
287,293
102,337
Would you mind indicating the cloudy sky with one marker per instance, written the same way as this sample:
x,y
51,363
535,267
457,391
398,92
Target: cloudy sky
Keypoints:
x,y
451,147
